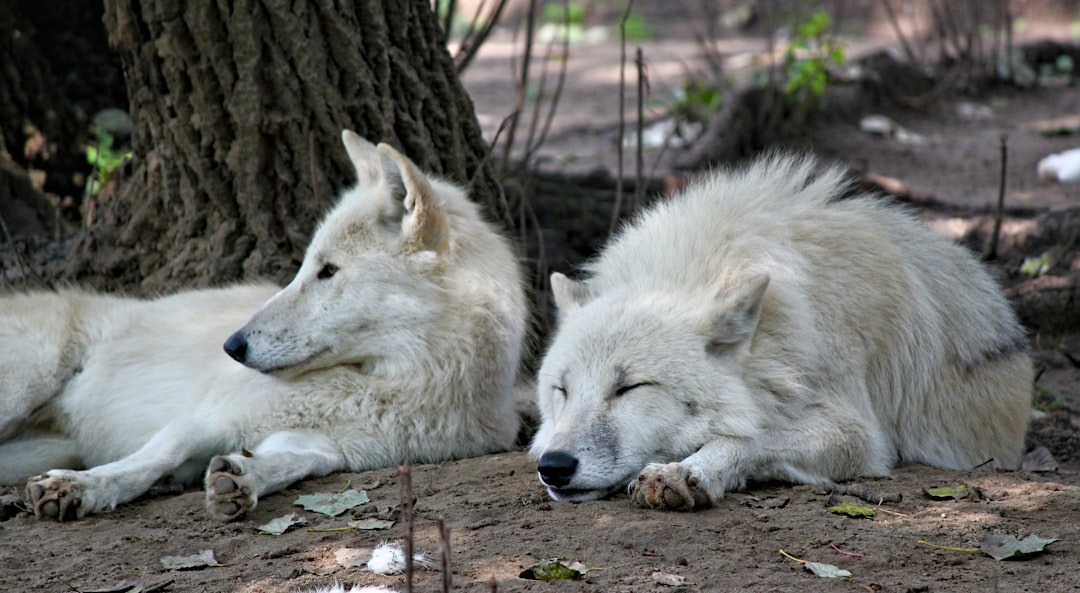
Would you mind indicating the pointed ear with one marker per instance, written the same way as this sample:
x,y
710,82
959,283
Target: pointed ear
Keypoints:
x,y
569,293
423,222
363,156
735,318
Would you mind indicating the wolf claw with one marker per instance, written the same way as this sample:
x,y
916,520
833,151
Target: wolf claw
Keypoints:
x,y
230,493
56,497
669,487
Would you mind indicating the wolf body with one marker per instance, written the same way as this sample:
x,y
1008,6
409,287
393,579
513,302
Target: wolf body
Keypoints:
x,y
398,340
759,327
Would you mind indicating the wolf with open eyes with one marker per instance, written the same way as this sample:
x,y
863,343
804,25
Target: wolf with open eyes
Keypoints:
x,y
759,327
398,340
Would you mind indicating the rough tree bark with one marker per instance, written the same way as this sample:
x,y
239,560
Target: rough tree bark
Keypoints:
x,y
226,97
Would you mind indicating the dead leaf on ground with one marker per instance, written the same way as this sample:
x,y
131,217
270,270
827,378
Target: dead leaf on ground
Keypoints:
x,y
204,559
666,578
1001,546
282,524
946,492
852,509
332,503
554,570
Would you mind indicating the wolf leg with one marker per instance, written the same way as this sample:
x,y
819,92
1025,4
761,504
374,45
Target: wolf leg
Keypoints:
x,y
66,494
824,445
235,481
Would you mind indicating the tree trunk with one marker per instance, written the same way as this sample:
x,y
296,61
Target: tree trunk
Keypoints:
x,y
232,102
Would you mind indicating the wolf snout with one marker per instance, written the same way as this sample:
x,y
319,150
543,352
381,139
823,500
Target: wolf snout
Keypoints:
x,y
236,347
556,468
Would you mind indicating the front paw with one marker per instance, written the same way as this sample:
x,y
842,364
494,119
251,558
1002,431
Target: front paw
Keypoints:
x,y
669,487
60,495
230,491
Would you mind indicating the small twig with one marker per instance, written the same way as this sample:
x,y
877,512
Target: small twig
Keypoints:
x,y
863,493
522,84
991,250
950,548
444,554
448,20
991,460
405,475
617,210
348,484
852,554
473,39
642,90
494,585
889,12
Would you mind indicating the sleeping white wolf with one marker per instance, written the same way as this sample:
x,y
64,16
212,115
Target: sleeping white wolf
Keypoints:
x,y
760,327
398,340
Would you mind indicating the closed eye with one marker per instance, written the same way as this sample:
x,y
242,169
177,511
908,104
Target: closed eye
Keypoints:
x,y
559,390
627,388
327,271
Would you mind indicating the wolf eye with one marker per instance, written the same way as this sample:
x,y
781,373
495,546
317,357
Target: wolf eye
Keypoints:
x,y
327,271
625,388
560,390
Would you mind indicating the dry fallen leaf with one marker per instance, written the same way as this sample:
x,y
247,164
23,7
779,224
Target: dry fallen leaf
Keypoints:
x,y
332,503
204,559
1001,546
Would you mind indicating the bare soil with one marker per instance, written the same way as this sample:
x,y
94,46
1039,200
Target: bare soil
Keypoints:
x,y
501,520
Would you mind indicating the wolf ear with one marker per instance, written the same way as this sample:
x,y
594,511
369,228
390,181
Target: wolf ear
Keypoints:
x,y
569,293
738,310
423,222
363,156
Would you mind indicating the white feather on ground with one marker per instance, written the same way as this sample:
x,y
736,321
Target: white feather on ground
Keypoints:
x,y
339,588
1063,167
388,558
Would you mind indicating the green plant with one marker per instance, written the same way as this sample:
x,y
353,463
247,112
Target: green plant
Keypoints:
x,y
806,62
104,159
1045,400
697,100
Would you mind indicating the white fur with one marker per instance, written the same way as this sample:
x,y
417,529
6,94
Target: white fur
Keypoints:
x,y
407,351
388,558
760,327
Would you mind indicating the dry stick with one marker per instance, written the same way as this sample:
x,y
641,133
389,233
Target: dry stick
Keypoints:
x,y
991,250
523,81
863,493
531,148
639,188
448,20
407,509
314,174
899,33
617,210
444,553
466,53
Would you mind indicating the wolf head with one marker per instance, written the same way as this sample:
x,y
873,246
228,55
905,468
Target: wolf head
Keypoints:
x,y
369,284
638,377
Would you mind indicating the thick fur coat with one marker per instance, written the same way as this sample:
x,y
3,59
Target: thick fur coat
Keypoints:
x,y
759,327
398,340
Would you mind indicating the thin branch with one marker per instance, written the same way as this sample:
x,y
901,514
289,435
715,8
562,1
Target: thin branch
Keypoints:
x,y
991,250
522,84
471,44
889,12
553,106
405,474
616,212
444,554
642,85
448,19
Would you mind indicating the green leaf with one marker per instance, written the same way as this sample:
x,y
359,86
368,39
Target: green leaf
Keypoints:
x,y
1001,546
825,570
852,509
332,503
1036,266
280,525
946,492
554,570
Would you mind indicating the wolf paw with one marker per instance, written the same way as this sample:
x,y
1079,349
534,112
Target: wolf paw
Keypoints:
x,y
230,493
58,495
669,487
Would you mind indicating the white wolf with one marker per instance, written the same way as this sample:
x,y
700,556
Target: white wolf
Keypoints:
x,y
760,327
398,340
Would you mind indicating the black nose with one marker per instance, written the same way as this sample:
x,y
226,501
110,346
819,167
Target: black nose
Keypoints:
x,y
556,468
236,347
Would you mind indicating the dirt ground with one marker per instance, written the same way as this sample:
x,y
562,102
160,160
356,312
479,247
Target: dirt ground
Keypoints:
x,y
501,520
